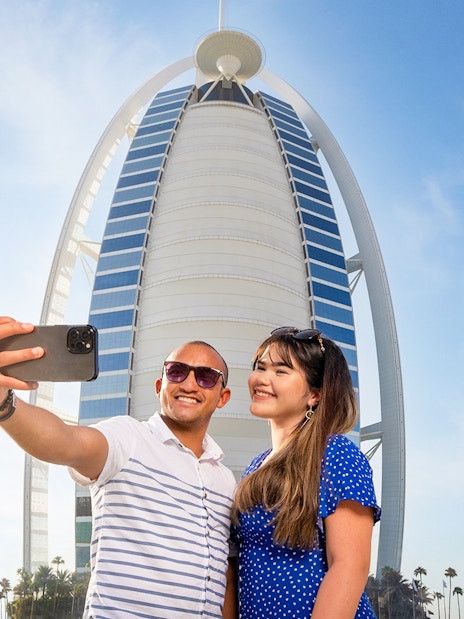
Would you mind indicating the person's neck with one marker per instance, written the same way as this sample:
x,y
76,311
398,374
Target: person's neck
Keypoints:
x,y
191,437
278,436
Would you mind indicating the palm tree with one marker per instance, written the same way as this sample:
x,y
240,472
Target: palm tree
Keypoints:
x,y
63,590
56,561
420,571
438,596
5,588
457,591
450,573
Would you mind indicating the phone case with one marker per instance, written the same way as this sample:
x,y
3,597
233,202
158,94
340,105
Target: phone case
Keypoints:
x,y
71,354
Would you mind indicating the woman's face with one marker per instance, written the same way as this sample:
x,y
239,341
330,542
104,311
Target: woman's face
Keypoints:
x,y
278,392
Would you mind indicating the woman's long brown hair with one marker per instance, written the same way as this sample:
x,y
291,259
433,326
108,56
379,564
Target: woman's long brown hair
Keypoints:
x,y
288,484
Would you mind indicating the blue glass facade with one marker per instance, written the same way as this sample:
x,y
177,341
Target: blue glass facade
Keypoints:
x,y
328,288
120,267
118,279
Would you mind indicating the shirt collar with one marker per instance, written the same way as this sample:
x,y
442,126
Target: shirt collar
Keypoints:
x,y
211,450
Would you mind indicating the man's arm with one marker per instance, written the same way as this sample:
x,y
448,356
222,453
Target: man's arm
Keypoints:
x,y
39,432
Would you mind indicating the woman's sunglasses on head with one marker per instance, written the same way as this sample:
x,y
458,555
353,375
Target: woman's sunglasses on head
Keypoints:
x,y
301,334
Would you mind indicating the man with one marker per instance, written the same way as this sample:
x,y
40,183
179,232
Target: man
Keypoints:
x,y
160,496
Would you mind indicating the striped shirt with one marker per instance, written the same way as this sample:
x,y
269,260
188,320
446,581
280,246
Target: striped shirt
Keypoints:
x,y
160,525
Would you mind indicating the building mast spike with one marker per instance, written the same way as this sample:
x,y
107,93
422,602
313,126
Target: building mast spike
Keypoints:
x,y
221,14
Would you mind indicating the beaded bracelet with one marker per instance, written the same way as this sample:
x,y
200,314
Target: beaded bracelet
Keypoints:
x,y
9,404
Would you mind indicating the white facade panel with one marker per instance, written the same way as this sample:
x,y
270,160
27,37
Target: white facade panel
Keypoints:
x,y
226,237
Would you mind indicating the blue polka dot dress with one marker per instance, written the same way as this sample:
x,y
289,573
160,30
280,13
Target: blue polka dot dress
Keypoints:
x,y
278,582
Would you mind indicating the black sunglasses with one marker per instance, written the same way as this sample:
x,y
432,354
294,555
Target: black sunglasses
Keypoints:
x,y
301,334
177,372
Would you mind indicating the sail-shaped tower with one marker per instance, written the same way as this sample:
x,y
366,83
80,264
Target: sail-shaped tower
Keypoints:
x,y
221,228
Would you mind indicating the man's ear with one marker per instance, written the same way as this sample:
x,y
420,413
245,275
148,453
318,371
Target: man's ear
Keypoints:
x,y
158,382
224,397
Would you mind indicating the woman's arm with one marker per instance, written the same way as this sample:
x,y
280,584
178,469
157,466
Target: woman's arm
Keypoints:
x,y
348,534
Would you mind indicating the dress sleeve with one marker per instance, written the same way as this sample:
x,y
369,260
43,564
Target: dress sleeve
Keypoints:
x,y
345,475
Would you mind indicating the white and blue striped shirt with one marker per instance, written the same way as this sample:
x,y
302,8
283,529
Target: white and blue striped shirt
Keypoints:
x,y
160,525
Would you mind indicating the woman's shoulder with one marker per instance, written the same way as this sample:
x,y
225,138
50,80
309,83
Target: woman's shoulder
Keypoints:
x,y
341,447
256,462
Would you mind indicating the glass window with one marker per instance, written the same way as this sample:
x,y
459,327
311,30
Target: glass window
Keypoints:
x,y
336,333
156,138
155,127
169,106
122,242
318,238
152,163
332,294
332,312
307,177
305,164
82,555
329,275
141,153
113,362
114,339
102,409
126,225
113,300
351,358
83,532
83,506
153,116
272,102
134,208
285,126
306,153
312,192
118,261
138,179
321,224
294,139
316,207
109,320
171,95
117,280
293,120
111,384
144,191
321,255
354,380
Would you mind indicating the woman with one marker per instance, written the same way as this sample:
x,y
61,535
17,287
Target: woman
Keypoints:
x,y
305,509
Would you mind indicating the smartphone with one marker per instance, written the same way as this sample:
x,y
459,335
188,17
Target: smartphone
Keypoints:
x,y
71,354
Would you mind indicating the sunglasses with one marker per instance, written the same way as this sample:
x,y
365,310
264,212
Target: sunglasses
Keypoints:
x,y
301,334
177,372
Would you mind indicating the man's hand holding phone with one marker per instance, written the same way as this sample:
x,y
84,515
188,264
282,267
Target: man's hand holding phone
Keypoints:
x,y
59,353
8,328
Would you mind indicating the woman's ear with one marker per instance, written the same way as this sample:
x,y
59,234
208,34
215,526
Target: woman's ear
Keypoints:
x,y
314,398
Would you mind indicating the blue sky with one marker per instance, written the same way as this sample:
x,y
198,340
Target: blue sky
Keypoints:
x,y
387,78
